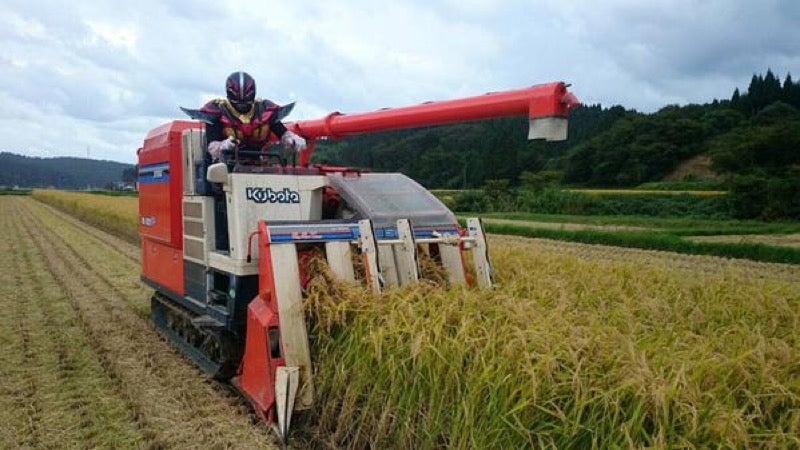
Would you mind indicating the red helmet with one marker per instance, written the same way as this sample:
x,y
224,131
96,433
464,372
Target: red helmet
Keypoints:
x,y
241,90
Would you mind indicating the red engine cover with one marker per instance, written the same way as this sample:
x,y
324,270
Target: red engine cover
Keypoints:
x,y
160,204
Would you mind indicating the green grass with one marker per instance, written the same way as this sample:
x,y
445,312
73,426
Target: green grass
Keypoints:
x,y
656,241
15,192
683,186
642,193
115,193
678,226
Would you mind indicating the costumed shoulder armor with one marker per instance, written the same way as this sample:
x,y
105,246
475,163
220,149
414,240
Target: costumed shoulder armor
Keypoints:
x,y
215,109
210,112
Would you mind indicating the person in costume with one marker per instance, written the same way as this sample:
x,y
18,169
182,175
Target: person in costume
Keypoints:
x,y
240,119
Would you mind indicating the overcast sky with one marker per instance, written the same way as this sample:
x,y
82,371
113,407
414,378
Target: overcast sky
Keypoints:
x,y
98,75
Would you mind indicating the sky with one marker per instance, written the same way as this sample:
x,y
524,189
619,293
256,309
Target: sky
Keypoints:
x,y
88,77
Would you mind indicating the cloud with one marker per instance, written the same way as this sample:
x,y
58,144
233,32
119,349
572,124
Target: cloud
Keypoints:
x,y
101,74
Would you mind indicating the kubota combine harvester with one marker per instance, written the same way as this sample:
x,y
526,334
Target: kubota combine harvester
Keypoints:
x,y
226,246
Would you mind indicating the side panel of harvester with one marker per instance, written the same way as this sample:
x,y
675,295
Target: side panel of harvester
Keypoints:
x,y
160,196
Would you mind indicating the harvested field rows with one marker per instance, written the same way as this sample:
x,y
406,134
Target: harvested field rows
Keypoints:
x,y
90,291
55,391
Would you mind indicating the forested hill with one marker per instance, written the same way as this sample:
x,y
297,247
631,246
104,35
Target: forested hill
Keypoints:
x,y
606,146
61,173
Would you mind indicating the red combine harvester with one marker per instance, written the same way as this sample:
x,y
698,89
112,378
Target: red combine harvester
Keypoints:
x,y
236,308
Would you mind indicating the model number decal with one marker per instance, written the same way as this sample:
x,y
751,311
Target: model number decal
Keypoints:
x,y
262,195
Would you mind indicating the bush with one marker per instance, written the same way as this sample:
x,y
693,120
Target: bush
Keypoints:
x,y
688,184
541,180
557,201
762,197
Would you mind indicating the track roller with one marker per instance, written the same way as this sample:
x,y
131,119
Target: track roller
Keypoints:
x,y
213,351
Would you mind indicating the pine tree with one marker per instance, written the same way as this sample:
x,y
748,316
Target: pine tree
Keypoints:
x,y
791,91
754,95
772,89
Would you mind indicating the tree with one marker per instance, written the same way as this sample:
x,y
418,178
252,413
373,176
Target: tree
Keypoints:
x,y
129,175
736,99
791,91
539,181
772,88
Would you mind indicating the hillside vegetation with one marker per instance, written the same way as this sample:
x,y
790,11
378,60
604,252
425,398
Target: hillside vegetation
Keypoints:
x,y
751,139
61,173
606,146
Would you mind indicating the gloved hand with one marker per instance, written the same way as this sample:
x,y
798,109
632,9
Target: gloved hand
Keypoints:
x,y
292,141
216,148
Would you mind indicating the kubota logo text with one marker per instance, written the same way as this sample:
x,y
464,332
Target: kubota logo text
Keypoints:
x,y
262,195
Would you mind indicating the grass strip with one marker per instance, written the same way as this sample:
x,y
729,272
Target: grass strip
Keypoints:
x,y
708,185
15,192
646,193
115,193
656,241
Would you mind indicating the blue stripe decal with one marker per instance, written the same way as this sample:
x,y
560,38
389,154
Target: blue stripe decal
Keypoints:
x,y
154,180
279,238
154,173
317,236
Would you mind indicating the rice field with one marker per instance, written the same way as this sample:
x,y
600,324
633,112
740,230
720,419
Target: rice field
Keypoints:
x,y
579,346
117,215
566,353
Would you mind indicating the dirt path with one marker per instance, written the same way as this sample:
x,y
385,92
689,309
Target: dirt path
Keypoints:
x,y
566,226
781,240
161,400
